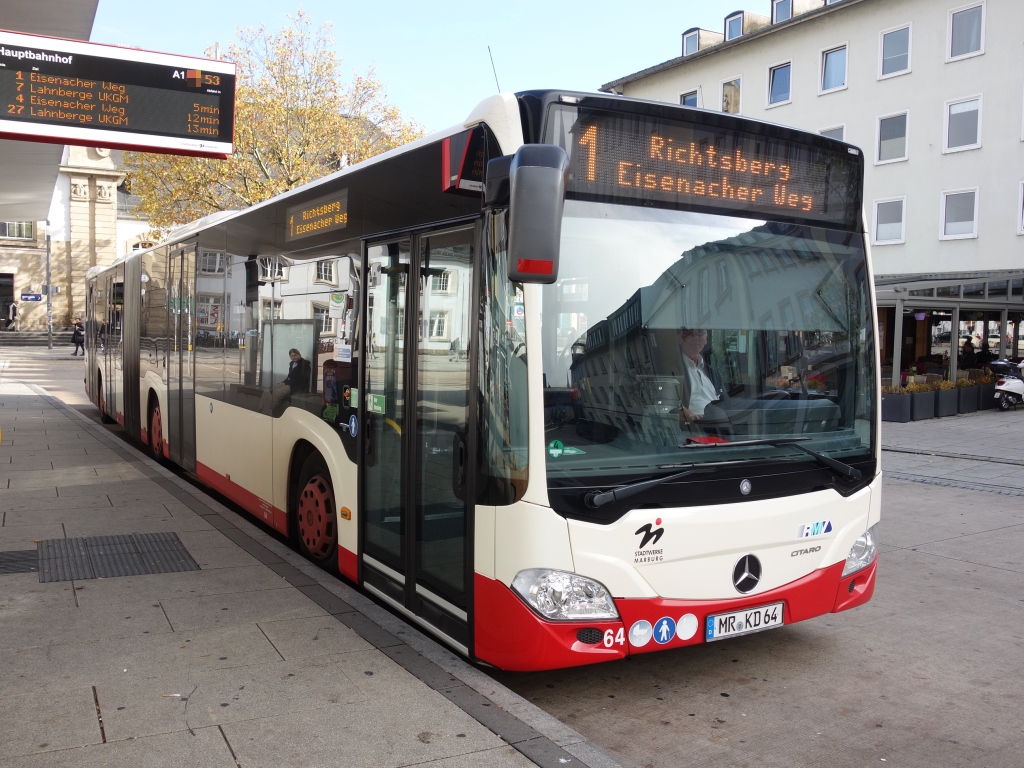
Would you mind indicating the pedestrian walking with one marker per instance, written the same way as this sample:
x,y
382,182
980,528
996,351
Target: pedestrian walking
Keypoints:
x,y
456,348
12,317
78,337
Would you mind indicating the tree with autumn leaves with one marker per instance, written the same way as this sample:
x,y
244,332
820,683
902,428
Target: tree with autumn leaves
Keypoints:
x,y
295,121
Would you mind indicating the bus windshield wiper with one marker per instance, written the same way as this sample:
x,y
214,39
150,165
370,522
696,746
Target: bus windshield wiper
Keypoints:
x,y
845,470
596,499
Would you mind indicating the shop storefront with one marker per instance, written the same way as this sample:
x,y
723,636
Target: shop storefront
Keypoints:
x,y
948,327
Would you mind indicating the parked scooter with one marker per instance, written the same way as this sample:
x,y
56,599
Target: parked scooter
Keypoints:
x,y
1010,385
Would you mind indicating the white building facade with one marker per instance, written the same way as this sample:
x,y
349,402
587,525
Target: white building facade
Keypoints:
x,y
932,91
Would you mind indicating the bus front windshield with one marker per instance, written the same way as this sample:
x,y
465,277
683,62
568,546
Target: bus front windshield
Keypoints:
x,y
670,330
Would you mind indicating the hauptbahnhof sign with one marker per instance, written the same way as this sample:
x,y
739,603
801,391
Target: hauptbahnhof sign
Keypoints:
x,y
74,92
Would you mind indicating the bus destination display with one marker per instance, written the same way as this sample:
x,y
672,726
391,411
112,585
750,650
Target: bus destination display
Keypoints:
x,y
75,92
619,155
325,214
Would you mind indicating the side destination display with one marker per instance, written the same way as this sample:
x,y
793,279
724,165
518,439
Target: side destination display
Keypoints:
x,y
323,214
615,155
74,92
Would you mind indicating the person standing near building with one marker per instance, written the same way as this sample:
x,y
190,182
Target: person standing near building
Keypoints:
x,y
78,337
12,317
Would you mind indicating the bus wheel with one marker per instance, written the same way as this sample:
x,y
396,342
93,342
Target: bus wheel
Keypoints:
x,y
315,516
156,433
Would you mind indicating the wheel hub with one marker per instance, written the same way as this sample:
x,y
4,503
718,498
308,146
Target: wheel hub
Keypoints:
x,y
316,516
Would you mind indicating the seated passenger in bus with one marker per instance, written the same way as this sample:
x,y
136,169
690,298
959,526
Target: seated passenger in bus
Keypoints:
x,y
296,382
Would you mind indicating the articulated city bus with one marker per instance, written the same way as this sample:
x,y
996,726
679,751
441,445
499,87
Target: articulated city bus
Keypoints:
x,y
580,378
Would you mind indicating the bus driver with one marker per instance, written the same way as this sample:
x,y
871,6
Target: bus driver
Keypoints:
x,y
702,392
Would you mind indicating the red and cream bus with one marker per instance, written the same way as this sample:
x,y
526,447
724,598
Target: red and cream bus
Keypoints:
x,y
582,377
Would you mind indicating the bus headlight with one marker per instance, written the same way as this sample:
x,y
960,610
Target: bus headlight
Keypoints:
x,y
559,595
863,551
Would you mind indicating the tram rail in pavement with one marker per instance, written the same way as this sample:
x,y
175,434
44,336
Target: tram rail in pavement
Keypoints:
x,y
253,657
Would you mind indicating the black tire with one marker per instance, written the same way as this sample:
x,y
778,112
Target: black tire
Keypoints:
x,y
315,515
1006,401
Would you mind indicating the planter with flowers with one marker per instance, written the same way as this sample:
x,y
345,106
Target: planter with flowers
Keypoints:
x,y
967,402
895,404
922,401
946,396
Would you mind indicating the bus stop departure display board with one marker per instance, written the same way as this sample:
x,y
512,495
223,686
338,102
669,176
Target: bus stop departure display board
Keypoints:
x,y
650,160
73,92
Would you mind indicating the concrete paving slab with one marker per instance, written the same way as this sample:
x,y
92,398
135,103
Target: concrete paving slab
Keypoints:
x,y
113,527
30,723
204,747
213,558
13,537
64,624
97,514
164,586
316,636
145,706
500,757
226,610
1003,548
373,733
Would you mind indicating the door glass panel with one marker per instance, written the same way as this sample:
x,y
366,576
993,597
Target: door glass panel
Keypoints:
x,y
442,366
384,403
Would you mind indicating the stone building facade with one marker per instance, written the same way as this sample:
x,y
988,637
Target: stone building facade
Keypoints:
x,y
83,229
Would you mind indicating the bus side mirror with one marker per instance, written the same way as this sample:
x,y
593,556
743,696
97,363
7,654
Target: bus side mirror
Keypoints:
x,y
537,176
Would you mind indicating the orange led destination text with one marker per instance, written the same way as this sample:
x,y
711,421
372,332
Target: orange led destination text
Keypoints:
x,y
673,167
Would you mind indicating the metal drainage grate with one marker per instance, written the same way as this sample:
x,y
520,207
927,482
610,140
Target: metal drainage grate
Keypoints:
x,y
102,557
21,561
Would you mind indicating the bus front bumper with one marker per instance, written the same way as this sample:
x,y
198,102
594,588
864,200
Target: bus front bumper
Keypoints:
x,y
509,635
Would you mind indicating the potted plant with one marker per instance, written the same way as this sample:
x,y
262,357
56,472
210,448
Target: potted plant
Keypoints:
x,y
967,402
946,398
986,392
922,401
895,404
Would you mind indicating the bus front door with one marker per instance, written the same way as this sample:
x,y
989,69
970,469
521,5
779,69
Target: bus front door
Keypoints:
x,y
416,526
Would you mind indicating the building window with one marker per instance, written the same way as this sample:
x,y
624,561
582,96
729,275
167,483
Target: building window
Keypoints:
x,y
833,69
212,263
778,84
963,124
959,214
688,99
17,230
889,221
966,32
835,132
265,309
209,310
895,52
325,272
892,139
731,96
734,26
690,43
272,270
782,10
442,283
324,321
439,325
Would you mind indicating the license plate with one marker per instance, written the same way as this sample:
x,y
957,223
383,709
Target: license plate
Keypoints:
x,y
743,622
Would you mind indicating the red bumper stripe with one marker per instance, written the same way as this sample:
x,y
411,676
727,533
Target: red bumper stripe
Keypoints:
x,y
511,636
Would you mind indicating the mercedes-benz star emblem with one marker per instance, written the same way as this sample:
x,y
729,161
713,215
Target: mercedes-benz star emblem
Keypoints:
x,y
745,487
746,574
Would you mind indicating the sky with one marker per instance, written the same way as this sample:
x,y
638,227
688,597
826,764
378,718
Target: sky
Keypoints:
x,y
433,55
